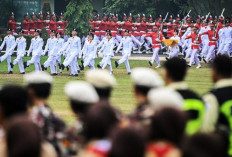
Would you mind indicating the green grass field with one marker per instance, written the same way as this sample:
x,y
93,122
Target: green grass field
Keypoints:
x,y
198,80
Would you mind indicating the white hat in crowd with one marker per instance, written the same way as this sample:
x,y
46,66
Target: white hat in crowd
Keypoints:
x,y
165,97
146,77
81,91
38,77
100,78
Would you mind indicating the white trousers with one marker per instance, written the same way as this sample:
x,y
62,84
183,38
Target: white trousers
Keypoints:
x,y
8,57
173,53
155,56
194,57
36,61
211,53
126,60
90,62
51,62
19,60
205,49
106,61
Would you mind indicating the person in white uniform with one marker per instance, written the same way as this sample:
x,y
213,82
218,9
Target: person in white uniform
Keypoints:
x,y
36,48
227,31
9,41
74,46
108,53
51,48
89,52
127,44
60,44
21,44
174,51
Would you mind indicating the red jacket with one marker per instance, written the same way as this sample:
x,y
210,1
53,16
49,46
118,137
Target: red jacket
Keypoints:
x,y
40,24
33,24
53,25
193,36
154,36
210,33
25,25
12,24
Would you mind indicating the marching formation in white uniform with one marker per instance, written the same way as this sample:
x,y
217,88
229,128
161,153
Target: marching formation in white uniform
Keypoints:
x,y
199,41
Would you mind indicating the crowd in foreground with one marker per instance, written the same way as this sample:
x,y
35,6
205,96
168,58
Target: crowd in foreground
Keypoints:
x,y
168,121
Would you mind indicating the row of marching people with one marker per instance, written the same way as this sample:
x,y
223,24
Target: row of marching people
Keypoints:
x,y
169,120
37,22
196,43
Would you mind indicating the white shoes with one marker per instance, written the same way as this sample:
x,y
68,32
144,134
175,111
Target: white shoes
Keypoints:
x,y
198,67
158,66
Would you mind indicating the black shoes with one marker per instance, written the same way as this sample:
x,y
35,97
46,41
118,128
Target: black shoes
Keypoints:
x,y
12,65
10,72
99,67
116,64
150,63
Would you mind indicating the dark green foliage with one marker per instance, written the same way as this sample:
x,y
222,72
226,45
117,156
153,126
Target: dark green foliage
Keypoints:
x,y
46,9
77,14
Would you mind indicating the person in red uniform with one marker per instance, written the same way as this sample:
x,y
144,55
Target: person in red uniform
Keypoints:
x,y
33,26
61,25
174,29
220,24
178,19
26,24
97,24
12,24
53,23
136,31
157,38
159,21
114,27
103,26
169,27
40,22
213,37
198,22
47,22
196,40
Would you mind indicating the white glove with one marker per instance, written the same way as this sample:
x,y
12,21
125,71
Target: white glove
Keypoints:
x,y
195,42
116,52
164,30
19,23
213,38
157,40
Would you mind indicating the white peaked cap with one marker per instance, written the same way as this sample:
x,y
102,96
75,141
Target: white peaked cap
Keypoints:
x,y
100,78
81,91
165,97
38,78
146,77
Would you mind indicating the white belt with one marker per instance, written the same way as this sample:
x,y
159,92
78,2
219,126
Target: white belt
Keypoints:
x,y
213,41
96,31
102,31
32,30
142,31
25,29
96,27
136,32
61,29
156,44
114,31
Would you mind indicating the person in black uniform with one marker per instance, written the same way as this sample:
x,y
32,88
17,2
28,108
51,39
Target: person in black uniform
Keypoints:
x,y
219,100
174,75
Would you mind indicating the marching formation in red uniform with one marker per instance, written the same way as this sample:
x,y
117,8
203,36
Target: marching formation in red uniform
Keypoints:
x,y
37,22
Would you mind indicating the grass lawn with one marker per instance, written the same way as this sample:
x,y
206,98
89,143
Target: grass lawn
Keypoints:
x,y
198,80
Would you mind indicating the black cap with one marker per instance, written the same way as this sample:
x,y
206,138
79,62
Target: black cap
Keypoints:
x,y
75,29
92,30
108,31
9,29
91,34
37,31
227,21
53,31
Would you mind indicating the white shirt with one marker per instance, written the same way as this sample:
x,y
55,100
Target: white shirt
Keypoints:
x,y
9,41
21,43
204,37
51,46
73,45
126,43
227,31
90,49
107,48
36,46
